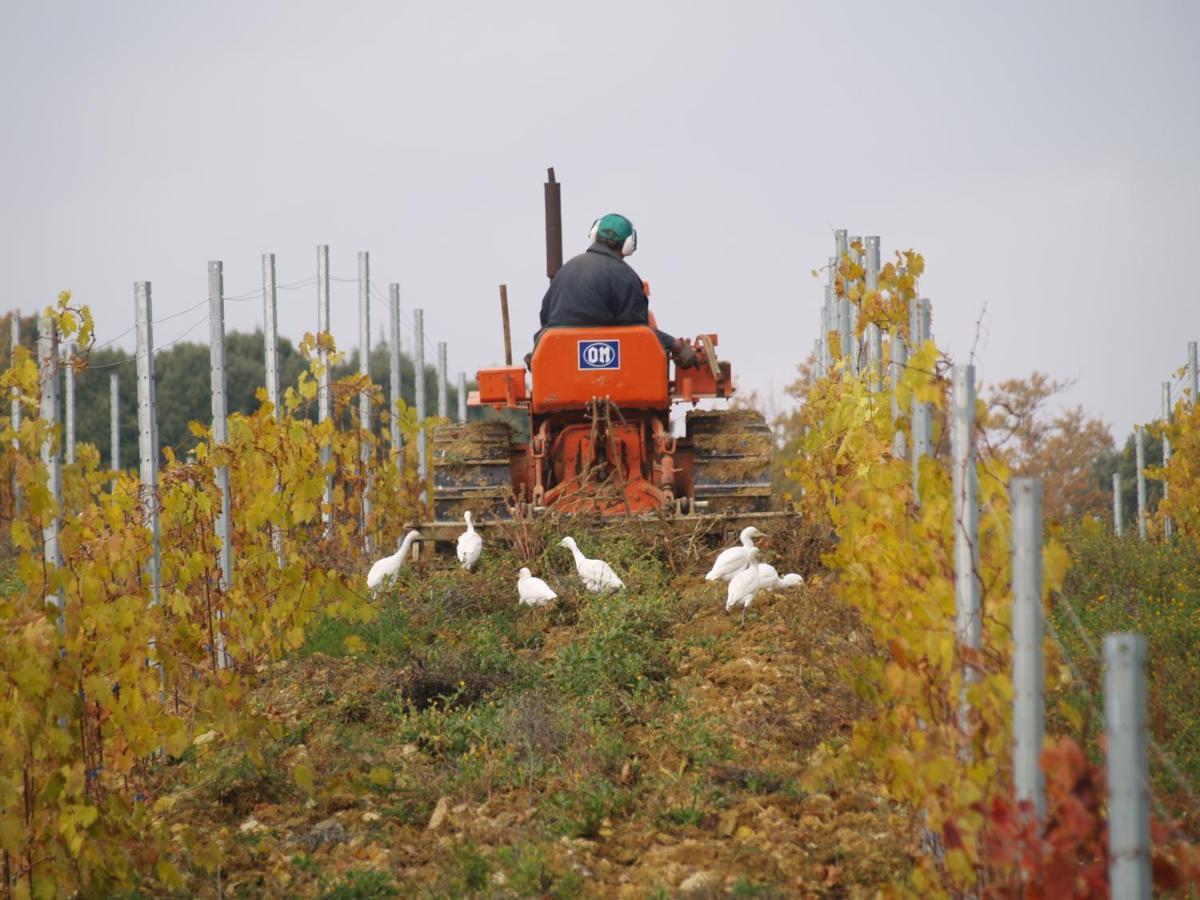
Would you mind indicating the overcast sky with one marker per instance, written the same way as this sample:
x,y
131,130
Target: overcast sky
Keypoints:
x,y
1045,157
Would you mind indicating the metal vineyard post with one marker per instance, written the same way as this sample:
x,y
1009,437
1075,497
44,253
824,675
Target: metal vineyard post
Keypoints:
x,y
48,377
114,425
270,332
1127,771
394,372
842,247
967,588
323,380
271,360
1118,525
1028,672
443,403
874,335
419,387
147,430
855,343
1166,450
1193,374
831,313
1140,450
922,424
15,392
69,404
364,397
220,434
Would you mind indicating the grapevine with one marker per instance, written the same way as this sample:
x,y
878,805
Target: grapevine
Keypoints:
x,y
91,708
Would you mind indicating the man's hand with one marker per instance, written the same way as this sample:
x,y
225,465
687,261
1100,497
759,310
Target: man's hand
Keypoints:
x,y
685,355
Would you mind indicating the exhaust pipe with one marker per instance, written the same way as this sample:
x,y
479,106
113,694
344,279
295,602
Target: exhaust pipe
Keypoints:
x,y
554,245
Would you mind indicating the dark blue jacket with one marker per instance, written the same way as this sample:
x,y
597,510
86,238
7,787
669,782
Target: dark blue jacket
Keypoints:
x,y
596,288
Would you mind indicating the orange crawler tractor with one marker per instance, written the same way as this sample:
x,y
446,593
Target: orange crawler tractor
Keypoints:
x,y
599,430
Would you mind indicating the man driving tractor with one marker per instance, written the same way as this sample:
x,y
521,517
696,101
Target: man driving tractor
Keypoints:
x,y
598,287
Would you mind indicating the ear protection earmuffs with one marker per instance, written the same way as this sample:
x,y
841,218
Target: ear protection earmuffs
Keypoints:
x,y
627,248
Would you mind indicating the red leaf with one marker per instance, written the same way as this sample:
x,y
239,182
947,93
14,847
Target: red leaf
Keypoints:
x,y
1166,876
951,836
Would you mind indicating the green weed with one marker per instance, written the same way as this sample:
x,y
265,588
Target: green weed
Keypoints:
x,y
582,812
1153,589
362,885
529,875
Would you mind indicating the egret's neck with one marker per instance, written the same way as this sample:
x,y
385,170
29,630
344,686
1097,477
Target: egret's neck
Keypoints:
x,y
579,557
747,542
404,547
470,525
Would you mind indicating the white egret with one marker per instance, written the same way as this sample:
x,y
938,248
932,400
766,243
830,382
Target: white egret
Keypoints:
x,y
744,585
597,575
386,568
729,562
470,545
533,591
770,579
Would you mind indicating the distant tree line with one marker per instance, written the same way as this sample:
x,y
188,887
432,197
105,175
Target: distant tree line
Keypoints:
x,y
1072,452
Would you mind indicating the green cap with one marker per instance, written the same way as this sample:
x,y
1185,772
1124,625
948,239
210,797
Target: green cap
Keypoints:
x,y
614,227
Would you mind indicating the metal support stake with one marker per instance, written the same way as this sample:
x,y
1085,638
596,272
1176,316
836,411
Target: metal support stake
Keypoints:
x,y
1166,452
967,587
419,387
874,341
364,398
922,420
1193,374
1140,449
324,399
271,359
271,332
394,372
1029,708
148,431
856,356
69,404
220,435
1127,772
832,320
819,345
829,330
443,400
114,411
845,329
874,336
462,397
1118,524
842,249
48,376
898,362
15,405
